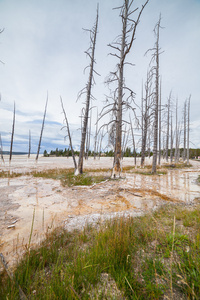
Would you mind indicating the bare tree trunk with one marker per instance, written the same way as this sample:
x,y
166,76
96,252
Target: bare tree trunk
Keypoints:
x,y
134,150
167,136
142,126
118,142
164,148
95,138
179,139
185,129
69,135
88,97
1,145
176,133
155,142
146,105
29,145
40,140
124,143
171,150
88,136
124,49
188,132
160,129
149,142
100,142
12,135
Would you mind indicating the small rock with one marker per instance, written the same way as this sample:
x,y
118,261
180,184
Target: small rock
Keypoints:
x,y
14,222
11,226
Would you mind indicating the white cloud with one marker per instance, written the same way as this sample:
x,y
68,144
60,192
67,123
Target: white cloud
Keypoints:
x,y
43,49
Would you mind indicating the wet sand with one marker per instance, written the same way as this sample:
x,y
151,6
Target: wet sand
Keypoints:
x,y
50,204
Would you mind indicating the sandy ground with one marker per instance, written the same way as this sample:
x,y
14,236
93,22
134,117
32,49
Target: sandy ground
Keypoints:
x,y
25,198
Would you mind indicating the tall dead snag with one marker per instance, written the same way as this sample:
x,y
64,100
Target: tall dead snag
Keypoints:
x,y
95,138
168,121
69,135
184,129
146,115
12,135
188,131
155,57
133,139
88,136
122,46
160,128
101,136
1,146
172,138
90,52
40,140
176,134
29,145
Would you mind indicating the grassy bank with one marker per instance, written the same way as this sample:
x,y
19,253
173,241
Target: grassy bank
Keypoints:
x,y
134,258
66,176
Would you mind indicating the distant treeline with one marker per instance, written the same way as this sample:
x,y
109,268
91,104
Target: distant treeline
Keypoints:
x,y
194,153
67,152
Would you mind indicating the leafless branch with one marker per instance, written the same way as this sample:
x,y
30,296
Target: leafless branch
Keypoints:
x,y
40,140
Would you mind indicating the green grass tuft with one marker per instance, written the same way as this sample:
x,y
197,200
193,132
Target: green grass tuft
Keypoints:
x,y
145,257
67,177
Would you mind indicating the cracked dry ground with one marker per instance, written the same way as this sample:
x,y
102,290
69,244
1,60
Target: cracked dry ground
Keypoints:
x,y
54,205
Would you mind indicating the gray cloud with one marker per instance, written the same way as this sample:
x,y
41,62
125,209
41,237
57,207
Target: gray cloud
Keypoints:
x,y
43,50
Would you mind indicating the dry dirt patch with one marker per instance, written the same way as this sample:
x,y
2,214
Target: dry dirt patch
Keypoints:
x,y
54,205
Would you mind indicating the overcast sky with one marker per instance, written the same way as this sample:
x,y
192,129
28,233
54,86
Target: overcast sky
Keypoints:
x,y
42,49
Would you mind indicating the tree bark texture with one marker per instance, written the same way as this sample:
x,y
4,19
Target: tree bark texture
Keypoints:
x,y
69,135
40,140
125,48
12,135
155,142
88,98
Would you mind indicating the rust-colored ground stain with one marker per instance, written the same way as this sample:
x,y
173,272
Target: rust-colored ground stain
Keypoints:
x,y
52,204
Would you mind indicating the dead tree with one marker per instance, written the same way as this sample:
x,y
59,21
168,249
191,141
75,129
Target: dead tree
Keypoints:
x,y
133,139
155,58
69,135
95,137
101,136
88,136
122,46
1,146
29,145
176,134
168,120
172,138
146,114
40,140
142,123
160,127
149,141
90,52
12,135
188,131
184,129
179,140
125,141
